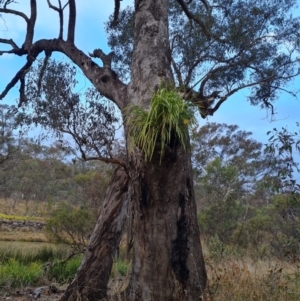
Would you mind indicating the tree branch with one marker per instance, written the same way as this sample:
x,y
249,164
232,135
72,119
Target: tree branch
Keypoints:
x,y
61,16
104,79
194,18
72,21
10,42
43,69
116,12
105,58
18,77
30,26
14,12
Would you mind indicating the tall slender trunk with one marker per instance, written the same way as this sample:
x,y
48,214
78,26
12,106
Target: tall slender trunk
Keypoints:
x,y
91,279
167,258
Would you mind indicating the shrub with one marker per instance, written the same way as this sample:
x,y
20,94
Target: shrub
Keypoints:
x,y
71,226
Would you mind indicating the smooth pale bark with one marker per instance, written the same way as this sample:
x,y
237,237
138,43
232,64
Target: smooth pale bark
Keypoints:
x,y
91,279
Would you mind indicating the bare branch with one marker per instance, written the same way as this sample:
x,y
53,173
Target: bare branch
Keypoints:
x,y
177,71
43,69
116,12
61,16
30,25
14,12
18,77
106,160
72,21
10,42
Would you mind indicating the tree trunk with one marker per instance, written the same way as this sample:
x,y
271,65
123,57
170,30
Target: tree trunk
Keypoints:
x,y
167,259
91,280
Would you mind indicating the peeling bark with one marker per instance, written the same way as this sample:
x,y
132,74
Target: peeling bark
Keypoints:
x,y
167,261
92,277
167,258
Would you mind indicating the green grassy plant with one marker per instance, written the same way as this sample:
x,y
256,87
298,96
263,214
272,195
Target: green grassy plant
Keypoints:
x,y
168,116
120,268
36,267
64,271
16,274
21,218
45,254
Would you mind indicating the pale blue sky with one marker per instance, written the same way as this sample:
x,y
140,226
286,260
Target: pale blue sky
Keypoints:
x,y
90,35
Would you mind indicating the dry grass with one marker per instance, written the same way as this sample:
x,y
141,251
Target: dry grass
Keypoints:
x,y
30,211
249,280
30,236
31,208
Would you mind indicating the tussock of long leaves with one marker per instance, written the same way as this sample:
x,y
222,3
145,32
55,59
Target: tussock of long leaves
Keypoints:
x,y
168,115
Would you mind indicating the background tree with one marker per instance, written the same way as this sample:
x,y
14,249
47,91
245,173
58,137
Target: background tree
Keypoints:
x,y
8,123
212,50
244,190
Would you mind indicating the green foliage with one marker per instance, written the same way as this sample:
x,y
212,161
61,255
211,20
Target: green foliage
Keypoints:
x,y
166,123
23,268
45,254
8,144
71,226
215,246
286,226
221,211
16,274
64,271
282,145
238,48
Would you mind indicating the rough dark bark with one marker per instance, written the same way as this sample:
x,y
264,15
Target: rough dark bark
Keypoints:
x,y
167,261
92,277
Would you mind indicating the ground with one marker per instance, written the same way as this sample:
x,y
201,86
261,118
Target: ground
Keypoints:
x,y
44,293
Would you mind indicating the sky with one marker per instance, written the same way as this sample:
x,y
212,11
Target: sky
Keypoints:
x,y
90,35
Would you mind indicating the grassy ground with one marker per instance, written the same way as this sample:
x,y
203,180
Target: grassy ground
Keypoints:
x,y
253,280
230,277
30,211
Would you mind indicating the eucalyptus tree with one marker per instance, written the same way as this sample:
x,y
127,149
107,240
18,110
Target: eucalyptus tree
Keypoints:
x,y
255,165
171,54
8,144
8,148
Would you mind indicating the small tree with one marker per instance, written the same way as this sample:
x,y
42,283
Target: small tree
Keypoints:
x,y
8,143
70,226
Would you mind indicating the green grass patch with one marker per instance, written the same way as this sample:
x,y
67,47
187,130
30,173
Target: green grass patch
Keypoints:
x,y
45,254
20,268
16,274
21,218
120,268
64,271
